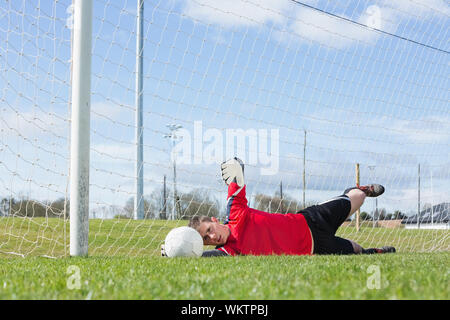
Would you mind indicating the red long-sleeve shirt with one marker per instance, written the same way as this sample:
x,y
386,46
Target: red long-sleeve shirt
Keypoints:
x,y
255,232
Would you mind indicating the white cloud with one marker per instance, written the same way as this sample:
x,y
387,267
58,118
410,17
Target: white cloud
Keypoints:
x,y
102,111
431,129
417,8
335,32
233,13
33,125
307,23
312,25
114,153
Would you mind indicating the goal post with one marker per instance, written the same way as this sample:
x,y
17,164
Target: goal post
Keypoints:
x,y
139,167
80,127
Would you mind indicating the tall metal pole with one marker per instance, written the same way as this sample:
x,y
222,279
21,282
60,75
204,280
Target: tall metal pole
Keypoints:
x,y
304,172
418,199
174,208
139,168
357,211
172,135
281,189
80,128
376,210
164,211
432,211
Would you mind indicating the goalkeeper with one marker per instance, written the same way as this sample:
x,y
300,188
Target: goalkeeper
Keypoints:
x,y
248,231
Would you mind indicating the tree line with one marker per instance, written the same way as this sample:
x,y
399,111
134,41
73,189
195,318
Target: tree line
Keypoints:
x,y
32,208
381,215
159,205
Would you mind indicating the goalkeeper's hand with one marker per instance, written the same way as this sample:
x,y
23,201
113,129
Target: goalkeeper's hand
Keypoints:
x,y
233,171
163,251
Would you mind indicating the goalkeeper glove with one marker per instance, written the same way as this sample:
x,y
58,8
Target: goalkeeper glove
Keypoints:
x,y
233,171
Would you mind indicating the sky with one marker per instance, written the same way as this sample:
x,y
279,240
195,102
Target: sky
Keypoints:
x,y
373,92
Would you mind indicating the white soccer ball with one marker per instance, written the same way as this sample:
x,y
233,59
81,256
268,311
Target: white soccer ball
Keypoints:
x,y
183,242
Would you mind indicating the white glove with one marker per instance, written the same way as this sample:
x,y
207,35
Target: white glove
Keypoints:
x,y
233,171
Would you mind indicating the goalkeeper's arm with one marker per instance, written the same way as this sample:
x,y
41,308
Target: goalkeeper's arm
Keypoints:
x,y
208,253
214,253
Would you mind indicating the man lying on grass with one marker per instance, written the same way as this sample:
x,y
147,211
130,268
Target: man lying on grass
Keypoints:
x,y
312,230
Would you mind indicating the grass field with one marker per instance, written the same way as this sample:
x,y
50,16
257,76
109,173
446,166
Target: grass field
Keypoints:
x,y
124,263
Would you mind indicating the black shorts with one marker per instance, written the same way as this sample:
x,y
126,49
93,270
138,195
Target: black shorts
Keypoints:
x,y
324,220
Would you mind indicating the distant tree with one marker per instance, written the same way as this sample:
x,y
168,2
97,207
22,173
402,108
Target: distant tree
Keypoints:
x,y
60,207
398,215
197,202
379,214
33,208
156,201
128,210
109,211
151,207
276,204
382,214
364,216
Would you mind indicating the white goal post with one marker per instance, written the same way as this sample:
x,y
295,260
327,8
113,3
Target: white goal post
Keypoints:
x,y
80,127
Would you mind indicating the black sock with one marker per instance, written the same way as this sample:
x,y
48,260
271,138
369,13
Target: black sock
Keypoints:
x,y
370,251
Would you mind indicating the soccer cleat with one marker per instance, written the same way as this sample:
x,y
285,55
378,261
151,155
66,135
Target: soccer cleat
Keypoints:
x,y
387,249
372,190
384,249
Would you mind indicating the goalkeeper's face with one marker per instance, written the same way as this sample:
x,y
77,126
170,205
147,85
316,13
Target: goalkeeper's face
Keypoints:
x,y
214,233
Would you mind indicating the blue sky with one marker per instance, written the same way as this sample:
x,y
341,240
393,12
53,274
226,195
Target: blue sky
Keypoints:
x,y
361,95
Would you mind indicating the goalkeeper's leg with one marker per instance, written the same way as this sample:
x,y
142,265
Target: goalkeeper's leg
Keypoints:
x,y
360,250
357,198
358,194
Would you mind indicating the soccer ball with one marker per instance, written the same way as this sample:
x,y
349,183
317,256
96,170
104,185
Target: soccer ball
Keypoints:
x,y
183,242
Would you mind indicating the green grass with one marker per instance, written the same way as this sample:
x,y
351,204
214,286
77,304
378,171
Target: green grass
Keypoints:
x,y
402,276
124,263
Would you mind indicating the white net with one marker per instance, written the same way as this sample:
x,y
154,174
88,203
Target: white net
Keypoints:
x,y
302,91
34,127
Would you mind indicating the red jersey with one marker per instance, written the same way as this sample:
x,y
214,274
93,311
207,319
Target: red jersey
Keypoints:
x,y
257,232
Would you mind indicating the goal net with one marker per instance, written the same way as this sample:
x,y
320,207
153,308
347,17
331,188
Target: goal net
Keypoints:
x,y
312,95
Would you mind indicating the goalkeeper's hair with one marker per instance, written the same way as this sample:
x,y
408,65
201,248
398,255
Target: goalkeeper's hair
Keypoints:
x,y
197,220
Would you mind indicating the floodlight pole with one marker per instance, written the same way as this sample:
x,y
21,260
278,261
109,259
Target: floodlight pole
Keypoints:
x,y
281,189
174,208
139,169
418,199
164,211
80,128
172,135
358,212
304,171
375,212
432,213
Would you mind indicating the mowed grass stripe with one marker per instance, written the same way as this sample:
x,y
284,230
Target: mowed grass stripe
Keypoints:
x,y
124,263
122,237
